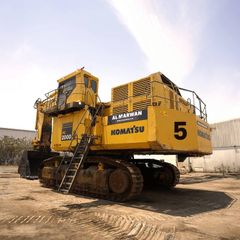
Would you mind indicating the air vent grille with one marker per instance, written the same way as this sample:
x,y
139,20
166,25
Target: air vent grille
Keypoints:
x,y
120,93
142,87
141,105
120,109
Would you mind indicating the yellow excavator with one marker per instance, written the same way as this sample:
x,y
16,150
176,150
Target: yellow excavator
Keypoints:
x,y
89,147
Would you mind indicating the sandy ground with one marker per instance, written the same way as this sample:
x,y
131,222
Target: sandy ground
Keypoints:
x,y
203,206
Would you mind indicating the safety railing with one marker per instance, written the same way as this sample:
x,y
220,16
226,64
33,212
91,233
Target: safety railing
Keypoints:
x,y
50,100
197,103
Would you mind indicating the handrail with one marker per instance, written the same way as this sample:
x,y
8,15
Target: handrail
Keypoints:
x,y
202,105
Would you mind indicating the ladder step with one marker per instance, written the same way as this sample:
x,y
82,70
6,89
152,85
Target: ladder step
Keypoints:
x,y
81,148
71,175
70,172
66,186
74,165
72,169
67,176
62,190
67,183
79,152
78,155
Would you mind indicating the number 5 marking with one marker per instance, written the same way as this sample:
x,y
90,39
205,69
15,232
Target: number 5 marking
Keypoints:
x,y
180,132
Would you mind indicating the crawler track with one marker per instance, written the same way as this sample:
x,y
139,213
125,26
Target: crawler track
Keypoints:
x,y
152,169
134,175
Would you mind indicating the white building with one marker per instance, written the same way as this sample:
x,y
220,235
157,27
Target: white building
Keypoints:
x,y
17,133
226,149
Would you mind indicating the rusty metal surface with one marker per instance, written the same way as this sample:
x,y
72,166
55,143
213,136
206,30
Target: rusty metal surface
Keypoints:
x,y
95,183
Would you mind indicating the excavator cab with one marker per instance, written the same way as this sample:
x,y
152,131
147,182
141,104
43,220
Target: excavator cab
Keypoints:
x,y
72,108
74,91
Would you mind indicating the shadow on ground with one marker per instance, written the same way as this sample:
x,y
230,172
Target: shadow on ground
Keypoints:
x,y
177,202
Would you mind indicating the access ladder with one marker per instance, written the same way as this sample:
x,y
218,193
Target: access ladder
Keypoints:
x,y
79,155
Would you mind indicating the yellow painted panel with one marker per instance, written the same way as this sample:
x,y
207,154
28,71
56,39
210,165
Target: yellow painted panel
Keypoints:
x,y
179,131
176,130
130,135
204,137
78,119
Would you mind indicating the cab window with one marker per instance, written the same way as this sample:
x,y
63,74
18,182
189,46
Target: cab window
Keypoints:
x,y
64,90
94,86
68,85
86,81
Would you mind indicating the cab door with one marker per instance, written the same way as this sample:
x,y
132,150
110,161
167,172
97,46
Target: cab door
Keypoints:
x,y
91,89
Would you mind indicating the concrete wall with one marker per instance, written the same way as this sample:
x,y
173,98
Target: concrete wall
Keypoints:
x,y
17,133
226,149
221,159
226,134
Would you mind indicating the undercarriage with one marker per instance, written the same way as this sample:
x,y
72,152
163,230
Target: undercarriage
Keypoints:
x,y
111,178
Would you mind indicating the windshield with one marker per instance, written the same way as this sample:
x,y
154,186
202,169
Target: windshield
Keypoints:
x,y
64,90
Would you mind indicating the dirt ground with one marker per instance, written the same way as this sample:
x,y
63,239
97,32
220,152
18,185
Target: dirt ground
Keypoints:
x,y
203,206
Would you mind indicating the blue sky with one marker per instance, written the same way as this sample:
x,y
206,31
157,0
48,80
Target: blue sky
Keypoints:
x,y
195,43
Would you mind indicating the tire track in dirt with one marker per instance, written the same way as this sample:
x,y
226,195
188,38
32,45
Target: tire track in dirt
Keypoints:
x,y
103,224
114,225
127,227
124,226
30,220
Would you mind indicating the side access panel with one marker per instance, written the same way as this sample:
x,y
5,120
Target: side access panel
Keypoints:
x,y
181,131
